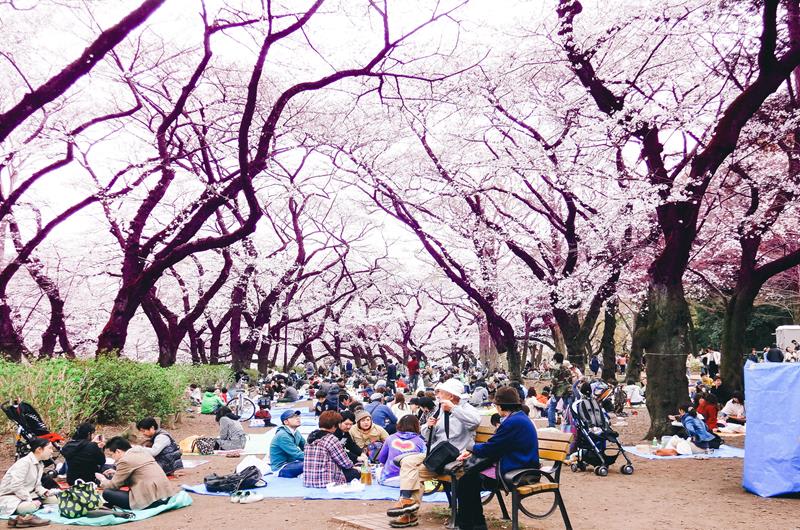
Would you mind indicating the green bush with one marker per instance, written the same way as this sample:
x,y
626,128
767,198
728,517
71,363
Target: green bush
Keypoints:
x,y
67,393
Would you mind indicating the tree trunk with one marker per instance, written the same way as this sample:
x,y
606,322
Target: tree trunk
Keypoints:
x,y
633,373
558,340
663,332
570,326
607,342
738,311
12,346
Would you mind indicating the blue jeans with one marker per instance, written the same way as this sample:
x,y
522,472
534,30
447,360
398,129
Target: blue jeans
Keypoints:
x,y
291,470
551,409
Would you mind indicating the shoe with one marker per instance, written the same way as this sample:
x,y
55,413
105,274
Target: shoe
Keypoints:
x,y
251,497
405,521
402,507
28,521
236,496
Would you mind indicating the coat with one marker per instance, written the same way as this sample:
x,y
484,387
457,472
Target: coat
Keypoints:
x,y
231,434
324,460
376,433
514,444
398,444
211,402
286,447
147,481
22,482
84,458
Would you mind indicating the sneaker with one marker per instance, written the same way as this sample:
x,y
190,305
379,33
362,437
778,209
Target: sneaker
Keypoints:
x,y
405,521
236,496
251,497
402,507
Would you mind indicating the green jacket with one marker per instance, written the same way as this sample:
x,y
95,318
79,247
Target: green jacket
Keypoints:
x,y
211,402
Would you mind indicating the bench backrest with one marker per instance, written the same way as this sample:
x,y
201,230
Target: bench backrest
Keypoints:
x,y
553,445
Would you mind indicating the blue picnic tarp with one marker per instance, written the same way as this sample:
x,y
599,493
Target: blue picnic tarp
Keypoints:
x,y
772,445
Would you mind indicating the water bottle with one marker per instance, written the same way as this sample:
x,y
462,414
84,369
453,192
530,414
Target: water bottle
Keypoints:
x,y
655,443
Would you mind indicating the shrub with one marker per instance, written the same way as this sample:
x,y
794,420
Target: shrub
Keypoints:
x,y
108,390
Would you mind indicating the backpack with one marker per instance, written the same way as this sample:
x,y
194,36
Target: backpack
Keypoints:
x,y
204,445
79,500
247,479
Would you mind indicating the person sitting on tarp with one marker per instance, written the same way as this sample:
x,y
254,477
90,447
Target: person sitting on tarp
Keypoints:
x,y
286,450
343,435
211,402
696,429
231,434
325,460
708,407
161,445
83,454
734,411
148,485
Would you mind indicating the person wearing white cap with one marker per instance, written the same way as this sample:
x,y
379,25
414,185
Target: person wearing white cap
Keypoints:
x,y
462,421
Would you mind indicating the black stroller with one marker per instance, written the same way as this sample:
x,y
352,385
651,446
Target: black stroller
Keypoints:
x,y
30,425
597,444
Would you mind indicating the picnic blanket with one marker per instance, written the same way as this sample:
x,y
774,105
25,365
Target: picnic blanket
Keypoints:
x,y
725,451
281,488
180,500
191,464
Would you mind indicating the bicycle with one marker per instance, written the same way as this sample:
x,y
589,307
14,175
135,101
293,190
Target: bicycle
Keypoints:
x,y
242,406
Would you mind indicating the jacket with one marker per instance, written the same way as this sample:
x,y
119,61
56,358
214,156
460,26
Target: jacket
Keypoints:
x,y
382,416
231,434
211,402
514,444
709,412
22,482
774,355
464,420
351,448
696,428
84,458
332,399
166,452
147,481
398,444
376,433
324,460
391,372
286,446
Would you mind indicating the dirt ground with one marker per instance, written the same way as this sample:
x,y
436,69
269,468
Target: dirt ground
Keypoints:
x,y
665,494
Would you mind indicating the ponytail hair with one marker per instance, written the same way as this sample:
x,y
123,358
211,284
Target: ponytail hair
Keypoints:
x,y
689,408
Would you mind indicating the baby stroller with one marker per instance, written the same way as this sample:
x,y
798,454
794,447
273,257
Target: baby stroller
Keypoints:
x,y
596,440
29,426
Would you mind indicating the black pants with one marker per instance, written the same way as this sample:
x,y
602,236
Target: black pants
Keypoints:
x,y
470,509
122,499
351,473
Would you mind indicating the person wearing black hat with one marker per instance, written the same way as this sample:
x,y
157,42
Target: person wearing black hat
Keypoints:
x,y
514,445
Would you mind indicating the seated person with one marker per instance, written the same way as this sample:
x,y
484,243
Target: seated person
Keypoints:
x,y
696,429
286,450
405,441
322,403
343,435
707,406
290,395
325,459
263,412
137,469
514,445
382,415
161,445
194,395
231,433
21,490
83,454
211,402
368,436
734,411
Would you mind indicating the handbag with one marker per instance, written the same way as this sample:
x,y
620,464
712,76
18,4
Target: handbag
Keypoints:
x,y
248,478
476,464
444,453
204,445
79,500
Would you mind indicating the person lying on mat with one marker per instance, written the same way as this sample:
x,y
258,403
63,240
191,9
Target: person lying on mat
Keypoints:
x,y
21,490
83,454
286,449
160,444
231,434
325,459
136,468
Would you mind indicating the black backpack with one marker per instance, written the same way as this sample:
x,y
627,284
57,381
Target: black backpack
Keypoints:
x,y
248,478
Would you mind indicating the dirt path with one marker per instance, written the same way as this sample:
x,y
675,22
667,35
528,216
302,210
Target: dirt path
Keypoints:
x,y
665,494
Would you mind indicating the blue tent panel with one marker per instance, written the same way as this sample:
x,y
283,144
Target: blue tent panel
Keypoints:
x,y
772,444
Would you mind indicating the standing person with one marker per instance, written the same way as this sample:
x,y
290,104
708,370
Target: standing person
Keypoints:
x,y
325,460
594,365
714,358
348,368
148,485
83,454
21,490
286,450
231,433
462,420
774,354
391,376
413,373
162,445
753,356
514,445
561,388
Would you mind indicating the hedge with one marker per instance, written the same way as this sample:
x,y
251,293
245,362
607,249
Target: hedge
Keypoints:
x,y
110,391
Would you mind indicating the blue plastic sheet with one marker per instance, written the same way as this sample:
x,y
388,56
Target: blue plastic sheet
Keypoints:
x,y
772,444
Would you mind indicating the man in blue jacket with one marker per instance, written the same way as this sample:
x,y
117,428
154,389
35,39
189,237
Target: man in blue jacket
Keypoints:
x,y
514,445
286,449
382,416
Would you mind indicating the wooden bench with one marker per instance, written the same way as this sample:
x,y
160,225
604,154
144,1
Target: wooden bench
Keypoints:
x,y
553,450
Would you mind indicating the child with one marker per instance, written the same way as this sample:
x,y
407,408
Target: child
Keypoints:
x,y
320,406
709,408
406,440
263,412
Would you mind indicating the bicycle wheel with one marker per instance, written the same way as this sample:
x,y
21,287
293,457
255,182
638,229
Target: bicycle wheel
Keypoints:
x,y
242,407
